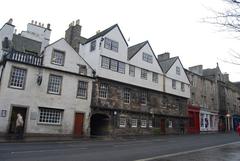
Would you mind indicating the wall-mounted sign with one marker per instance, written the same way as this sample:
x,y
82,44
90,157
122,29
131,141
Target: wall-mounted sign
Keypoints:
x,y
3,113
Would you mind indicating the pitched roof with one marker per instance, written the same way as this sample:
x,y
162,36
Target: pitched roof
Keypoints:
x,y
132,50
167,64
83,40
24,44
104,32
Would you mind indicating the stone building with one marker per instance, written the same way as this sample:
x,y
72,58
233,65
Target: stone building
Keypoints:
x,y
129,94
49,84
203,105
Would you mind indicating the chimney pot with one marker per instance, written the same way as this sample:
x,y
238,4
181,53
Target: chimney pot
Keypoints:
x,y
10,21
35,22
32,22
48,26
77,22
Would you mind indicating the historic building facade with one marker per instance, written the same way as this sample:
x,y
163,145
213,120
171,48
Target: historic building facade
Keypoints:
x,y
49,84
131,95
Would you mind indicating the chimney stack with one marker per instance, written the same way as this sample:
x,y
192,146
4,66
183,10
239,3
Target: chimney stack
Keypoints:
x,y
163,56
73,35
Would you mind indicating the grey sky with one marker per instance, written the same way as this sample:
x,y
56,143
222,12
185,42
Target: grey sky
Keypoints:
x,y
172,26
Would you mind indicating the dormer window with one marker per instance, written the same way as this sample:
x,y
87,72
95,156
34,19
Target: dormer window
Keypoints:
x,y
111,44
58,57
82,69
178,71
147,58
93,45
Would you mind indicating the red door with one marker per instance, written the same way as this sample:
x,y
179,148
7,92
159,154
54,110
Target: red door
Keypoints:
x,y
162,126
78,125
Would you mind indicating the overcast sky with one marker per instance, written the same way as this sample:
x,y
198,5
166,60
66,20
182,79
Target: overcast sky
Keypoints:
x,y
170,26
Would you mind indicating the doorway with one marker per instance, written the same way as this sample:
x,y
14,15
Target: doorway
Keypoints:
x,y
15,111
78,124
99,125
162,126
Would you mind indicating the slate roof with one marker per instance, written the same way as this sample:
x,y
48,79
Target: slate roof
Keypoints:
x,y
104,32
24,44
83,40
167,64
132,51
208,72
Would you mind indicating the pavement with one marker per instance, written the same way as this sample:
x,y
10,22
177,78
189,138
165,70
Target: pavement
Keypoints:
x,y
206,147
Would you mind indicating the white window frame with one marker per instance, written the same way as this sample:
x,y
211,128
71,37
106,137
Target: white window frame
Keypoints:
x,y
174,84
178,71
121,67
132,70
126,95
150,123
105,63
155,77
93,45
111,44
143,123
82,89
17,78
182,87
170,124
143,97
50,116
122,121
144,74
58,57
134,123
103,90
147,58
57,84
114,65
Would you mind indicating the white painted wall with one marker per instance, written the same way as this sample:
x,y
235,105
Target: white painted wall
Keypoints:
x,y
94,59
34,96
182,78
72,59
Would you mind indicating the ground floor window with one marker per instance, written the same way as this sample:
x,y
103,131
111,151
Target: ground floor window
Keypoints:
x,y
50,116
122,122
143,123
150,123
134,122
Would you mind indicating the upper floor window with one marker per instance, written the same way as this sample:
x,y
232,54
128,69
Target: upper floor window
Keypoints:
x,y
182,87
54,84
144,74
113,64
147,58
105,62
103,90
155,77
93,45
131,70
82,69
126,95
82,89
17,78
174,84
178,71
111,44
58,57
143,98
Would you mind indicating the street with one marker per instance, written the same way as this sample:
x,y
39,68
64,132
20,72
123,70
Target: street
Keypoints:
x,y
219,147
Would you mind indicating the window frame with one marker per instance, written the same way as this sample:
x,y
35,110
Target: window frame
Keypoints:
x,y
60,111
143,123
106,90
93,45
182,87
104,64
144,74
143,96
147,57
134,122
122,120
60,86
126,95
111,44
59,52
23,81
132,70
178,70
85,87
174,84
155,77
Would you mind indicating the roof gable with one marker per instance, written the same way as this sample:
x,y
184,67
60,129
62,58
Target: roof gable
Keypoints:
x,y
167,64
132,50
103,33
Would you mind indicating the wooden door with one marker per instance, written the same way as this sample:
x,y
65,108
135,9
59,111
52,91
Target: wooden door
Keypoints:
x,y
162,126
78,124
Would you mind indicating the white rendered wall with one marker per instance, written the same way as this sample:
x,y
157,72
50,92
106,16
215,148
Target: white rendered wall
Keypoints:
x,y
34,96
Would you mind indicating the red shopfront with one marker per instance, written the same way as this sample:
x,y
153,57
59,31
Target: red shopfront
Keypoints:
x,y
193,114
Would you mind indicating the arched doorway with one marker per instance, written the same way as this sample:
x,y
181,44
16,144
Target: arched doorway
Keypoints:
x,y
99,125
